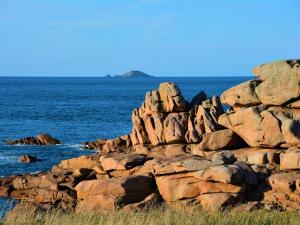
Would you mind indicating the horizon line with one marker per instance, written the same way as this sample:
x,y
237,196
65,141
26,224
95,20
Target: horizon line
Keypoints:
x,y
80,76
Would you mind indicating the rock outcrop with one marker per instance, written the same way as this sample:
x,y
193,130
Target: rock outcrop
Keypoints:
x,y
40,139
166,118
265,112
277,84
280,82
188,153
98,144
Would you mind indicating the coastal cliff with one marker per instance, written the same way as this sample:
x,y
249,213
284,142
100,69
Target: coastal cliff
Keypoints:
x,y
187,153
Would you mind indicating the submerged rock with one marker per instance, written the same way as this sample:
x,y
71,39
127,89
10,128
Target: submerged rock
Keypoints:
x,y
98,144
28,159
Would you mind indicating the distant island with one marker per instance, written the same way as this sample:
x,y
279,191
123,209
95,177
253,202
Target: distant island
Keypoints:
x,y
132,73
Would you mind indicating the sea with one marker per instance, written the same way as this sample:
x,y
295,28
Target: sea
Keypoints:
x,y
76,110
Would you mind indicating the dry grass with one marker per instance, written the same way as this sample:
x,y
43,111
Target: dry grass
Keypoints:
x,y
161,216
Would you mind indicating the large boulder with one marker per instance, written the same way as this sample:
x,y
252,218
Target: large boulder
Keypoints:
x,y
82,162
121,161
290,159
280,81
166,99
113,193
204,184
179,164
219,140
288,182
285,190
255,125
171,98
242,95
265,127
283,200
258,156
277,84
183,186
219,201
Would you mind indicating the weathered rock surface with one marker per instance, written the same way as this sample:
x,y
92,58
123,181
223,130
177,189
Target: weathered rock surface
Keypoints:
x,y
40,139
278,84
285,190
289,182
242,95
166,99
86,162
113,193
183,186
261,127
203,119
258,156
290,160
280,81
165,117
219,201
119,144
219,140
121,161
180,164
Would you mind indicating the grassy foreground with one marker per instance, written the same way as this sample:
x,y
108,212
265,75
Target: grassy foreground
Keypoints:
x,y
162,216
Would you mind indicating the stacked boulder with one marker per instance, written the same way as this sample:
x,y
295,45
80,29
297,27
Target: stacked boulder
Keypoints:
x,y
213,184
188,153
266,112
165,117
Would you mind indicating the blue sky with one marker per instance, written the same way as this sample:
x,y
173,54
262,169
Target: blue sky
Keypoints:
x,y
159,37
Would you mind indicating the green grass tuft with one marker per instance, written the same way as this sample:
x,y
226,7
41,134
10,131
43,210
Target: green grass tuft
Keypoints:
x,y
161,216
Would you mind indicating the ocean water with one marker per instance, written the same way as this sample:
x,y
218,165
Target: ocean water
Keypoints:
x,y
76,110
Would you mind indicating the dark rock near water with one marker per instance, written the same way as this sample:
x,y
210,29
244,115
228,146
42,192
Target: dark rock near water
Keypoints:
x,y
28,159
40,139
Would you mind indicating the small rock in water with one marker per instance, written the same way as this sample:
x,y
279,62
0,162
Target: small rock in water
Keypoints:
x,y
40,139
28,159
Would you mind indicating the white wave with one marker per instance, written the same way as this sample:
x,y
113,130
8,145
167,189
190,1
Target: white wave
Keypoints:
x,y
36,172
74,145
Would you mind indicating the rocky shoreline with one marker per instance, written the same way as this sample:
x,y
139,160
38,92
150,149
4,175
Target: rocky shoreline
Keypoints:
x,y
186,153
